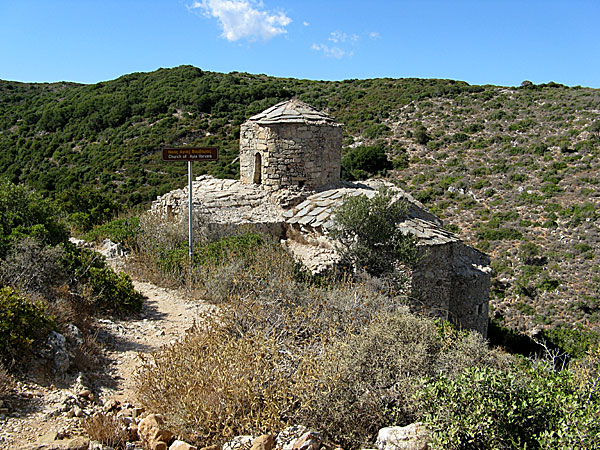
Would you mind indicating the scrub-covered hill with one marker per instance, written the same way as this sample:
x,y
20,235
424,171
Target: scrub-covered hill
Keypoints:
x,y
515,169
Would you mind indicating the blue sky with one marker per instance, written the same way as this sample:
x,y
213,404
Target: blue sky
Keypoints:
x,y
501,42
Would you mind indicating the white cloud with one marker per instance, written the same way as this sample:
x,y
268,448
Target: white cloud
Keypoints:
x,y
332,52
244,19
305,23
338,36
374,35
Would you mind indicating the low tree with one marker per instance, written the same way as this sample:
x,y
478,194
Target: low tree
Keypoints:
x,y
371,240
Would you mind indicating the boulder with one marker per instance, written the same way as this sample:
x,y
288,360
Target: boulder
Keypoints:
x,y
181,445
112,250
56,351
153,433
264,442
412,437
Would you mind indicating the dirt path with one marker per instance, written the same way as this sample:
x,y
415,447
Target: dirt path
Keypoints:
x,y
36,410
165,316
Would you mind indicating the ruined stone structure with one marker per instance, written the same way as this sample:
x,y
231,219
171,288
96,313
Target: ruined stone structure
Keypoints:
x,y
290,144
289,187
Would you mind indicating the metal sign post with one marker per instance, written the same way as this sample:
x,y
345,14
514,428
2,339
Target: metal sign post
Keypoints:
x,y
190,206
190,154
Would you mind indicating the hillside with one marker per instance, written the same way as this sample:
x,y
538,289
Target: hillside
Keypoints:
x,y
515,169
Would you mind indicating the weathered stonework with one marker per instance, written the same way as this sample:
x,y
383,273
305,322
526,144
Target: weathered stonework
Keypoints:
x,y
290,144
295,192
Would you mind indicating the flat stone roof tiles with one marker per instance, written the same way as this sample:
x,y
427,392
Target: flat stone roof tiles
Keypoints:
x,y
291,111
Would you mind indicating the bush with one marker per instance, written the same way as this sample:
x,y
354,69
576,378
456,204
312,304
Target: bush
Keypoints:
x,y
123,230
492,409
32,267
113,292
367,229
367,379
528,406
99,284
336,356
212,386
22,322
364,162
421,136
24,213
108,429
87,207
575,342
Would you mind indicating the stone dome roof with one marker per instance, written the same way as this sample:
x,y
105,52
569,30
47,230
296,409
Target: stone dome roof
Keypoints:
x,y
292,111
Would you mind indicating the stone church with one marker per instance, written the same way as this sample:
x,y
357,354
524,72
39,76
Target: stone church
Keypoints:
x,y
289,187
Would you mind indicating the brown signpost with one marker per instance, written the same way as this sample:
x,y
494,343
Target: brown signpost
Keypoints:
x,y
190,154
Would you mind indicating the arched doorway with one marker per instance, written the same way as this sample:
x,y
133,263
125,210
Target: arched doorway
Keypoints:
x,y
257,168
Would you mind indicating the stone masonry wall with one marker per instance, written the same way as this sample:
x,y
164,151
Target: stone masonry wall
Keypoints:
x,y
291,154
452,281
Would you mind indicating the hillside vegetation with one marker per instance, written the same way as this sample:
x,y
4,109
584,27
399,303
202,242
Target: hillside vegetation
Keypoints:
x,y
513,170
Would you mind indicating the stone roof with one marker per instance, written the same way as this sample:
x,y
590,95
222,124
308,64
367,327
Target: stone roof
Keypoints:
x,y
231,202
291,111
317,210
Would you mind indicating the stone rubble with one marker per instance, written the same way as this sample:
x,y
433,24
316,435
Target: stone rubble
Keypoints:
x,y
412,437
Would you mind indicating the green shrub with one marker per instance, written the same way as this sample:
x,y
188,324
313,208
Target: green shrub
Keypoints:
x,y
22,322
486,408
363,162
420,134
367,228
87,207
124,230
228,248
113,292
575,342
102,287
499,234
24,213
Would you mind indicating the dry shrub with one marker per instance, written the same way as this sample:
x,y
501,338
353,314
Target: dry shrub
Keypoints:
x,y
107,429
212,387
360,378
237,371
339,356
32,267
367,379
158,237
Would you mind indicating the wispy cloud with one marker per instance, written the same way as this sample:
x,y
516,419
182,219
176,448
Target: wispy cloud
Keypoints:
x,y
332,52
344,44
244,19
338,36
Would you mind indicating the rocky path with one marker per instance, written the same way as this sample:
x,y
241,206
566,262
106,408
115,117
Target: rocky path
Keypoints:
x,y
36,410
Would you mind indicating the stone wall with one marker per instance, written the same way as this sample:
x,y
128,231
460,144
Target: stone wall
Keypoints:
x,y
452,281
290,154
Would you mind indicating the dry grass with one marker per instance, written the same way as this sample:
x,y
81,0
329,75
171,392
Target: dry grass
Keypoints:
x,y
107,429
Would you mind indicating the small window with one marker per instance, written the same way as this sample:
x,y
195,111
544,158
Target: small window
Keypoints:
x,y
257,168
480,309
